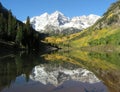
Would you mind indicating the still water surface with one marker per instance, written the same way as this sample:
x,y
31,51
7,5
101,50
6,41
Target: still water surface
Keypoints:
x,y
72,71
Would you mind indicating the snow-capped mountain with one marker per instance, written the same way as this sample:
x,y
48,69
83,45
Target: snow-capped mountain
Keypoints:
x,y
57,21
82,22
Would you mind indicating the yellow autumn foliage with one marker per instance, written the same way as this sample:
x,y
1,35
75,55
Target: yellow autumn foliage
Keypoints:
x,y
55,57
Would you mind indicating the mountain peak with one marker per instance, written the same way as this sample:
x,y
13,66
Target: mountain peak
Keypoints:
x,y
44,15
57,13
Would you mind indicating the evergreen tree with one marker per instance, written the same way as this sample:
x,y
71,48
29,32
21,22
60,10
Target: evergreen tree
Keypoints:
x,y
29,35
1,22
3,27
14,26
19,35
0,6
28,26
9,23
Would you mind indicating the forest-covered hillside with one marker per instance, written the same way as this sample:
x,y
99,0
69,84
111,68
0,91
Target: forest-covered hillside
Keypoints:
x,y
16,34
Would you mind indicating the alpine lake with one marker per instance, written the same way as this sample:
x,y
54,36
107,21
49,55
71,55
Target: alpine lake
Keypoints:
x,y
60,71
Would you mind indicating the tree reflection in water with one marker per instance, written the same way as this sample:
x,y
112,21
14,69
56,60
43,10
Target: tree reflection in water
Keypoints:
x,y
56,72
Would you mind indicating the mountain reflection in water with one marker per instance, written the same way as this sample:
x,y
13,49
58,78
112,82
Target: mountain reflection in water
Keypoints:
x,y
58,72
56,78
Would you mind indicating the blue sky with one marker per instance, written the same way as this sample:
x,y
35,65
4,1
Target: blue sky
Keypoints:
x,y
23,8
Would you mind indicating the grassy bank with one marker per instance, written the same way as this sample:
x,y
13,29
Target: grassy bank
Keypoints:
x,y
102,48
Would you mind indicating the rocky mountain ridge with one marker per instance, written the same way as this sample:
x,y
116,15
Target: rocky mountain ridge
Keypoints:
x,y
58,22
